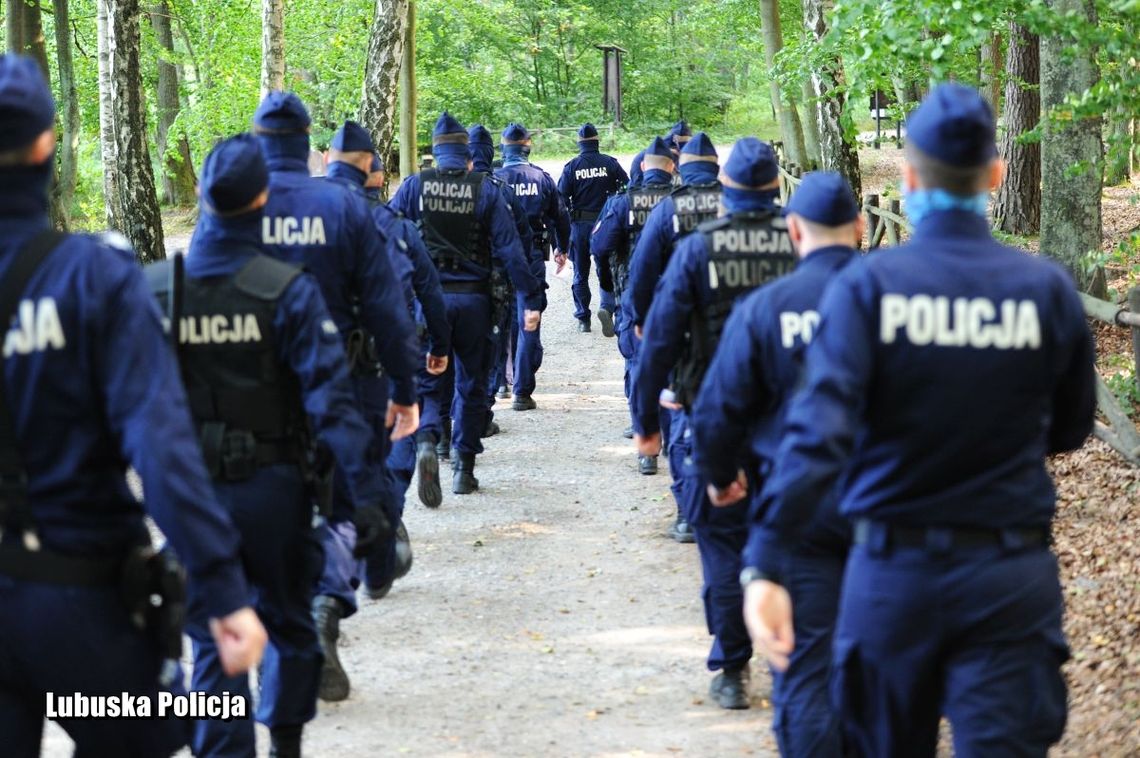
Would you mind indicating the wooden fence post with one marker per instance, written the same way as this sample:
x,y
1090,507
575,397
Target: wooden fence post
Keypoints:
x,y
1134,307
893,230
870,202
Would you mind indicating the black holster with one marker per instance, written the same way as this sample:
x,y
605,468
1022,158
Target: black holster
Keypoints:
x,y
501,301
153,589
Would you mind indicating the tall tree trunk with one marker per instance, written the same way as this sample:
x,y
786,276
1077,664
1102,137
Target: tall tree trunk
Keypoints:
x,y
838,152
408,146
382,75
1071,157
178,171
1017,208
1116,169
142,221
14,25
64,191
272,46
791,131
32,34
107,119
989,70
811,124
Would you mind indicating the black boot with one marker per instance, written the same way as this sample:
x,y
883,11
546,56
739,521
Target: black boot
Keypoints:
x,y
464,481
606,319
404,555
491,429
729,689
524,403
334,681
682,530
628,432
647,464
584,326
503,393
427,466
443,447
285,741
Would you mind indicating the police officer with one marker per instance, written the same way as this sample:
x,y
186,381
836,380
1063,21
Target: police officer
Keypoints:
x,y
549,224
75,411
263,364
736,428
467,227
679,135
328,229
697,200
712,269
941,375
615,237
505,327
353,162
586,181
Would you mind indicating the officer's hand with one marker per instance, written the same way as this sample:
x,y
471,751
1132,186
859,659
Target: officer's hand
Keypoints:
x,y
436,364
531,320
403,420
650,445
372,528
768,615
560,259
638,331
733,493
240,638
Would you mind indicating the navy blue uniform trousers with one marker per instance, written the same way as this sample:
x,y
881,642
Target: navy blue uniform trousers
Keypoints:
x,y
65,640
469,316
581,258
974,634
283,560
528,345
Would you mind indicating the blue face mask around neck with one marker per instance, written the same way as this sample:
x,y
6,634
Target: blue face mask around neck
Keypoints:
x,y
921,203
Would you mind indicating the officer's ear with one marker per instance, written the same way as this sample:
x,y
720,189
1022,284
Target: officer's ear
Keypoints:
x,y
42,149
860,227
997,173
795,230
260,201
910,177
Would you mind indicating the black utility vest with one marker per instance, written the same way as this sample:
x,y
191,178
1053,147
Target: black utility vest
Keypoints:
x,y
452,230
642,201
246,404
745,251
694,204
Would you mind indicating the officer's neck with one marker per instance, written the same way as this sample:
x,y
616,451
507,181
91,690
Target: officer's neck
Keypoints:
x,y
588,147
743,201
342,170
24,194
513,155
656,176
286,152
215,235
808,249
446,162
699,172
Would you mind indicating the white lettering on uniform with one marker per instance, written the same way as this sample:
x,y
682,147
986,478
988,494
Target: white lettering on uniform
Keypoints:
x,y
218,329
287,230
800,325
37,329
960,322
592,173
528,189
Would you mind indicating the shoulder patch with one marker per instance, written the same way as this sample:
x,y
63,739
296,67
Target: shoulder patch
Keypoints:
x,y
265,278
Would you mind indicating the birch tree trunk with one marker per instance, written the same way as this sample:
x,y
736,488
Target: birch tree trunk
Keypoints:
x,y
810,123
272,46
1071,157
63,193
141,219
791,131
1017,208
382,75
408,146
107,145
838,153
14,25
178,171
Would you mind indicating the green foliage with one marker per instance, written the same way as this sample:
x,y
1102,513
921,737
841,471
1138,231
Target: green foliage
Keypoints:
x,y
1125,387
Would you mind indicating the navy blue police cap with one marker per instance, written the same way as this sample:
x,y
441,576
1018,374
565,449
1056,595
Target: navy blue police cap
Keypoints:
x,y
699,148
26,106
680,133
752,163
825,198
515,134
587,132
352,138
448,137
955,125
478,135
233,175
659,147
282,112
377,163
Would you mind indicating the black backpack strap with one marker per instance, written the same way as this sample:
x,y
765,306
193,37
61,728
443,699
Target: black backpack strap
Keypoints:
x,y
15,510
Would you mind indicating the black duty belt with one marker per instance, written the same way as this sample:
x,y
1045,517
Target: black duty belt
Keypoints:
x,y
54,568
941,539
584,215
467,288
269,453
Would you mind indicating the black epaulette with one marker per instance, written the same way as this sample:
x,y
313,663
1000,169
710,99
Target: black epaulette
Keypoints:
x,y
265,278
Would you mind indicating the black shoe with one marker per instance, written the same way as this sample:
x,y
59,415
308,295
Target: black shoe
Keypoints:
x,y
503,393
647,464
334,685
682,531
524,403
730,689
463,482
427,466
404,557
443,447
606,319
628,433
381,592
584,327
490,430
285,742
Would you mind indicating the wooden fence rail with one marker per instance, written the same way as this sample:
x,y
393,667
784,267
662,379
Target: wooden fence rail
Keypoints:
x,y
1119,432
